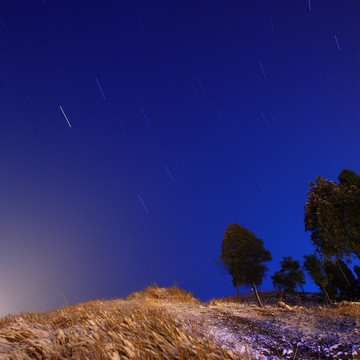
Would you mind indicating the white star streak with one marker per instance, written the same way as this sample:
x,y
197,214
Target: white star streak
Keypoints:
x,y
264,191
65,116
145,117
263,116
102,93
205,198
262,69
272,26
168,171
141,200
122,126
337,43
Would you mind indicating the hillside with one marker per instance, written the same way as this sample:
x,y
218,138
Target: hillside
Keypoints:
x,y
161,323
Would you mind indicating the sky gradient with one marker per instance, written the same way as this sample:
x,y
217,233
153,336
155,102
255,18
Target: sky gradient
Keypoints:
x,y
133,132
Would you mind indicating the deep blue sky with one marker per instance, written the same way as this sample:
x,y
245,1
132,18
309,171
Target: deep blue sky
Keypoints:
x,y
209,112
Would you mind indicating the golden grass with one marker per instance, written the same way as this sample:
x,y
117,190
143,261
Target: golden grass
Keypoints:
x,y
339,310
141,327
111,330
171,294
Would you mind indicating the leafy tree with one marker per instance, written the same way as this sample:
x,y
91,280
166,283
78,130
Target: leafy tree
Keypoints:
x,y
314,266
332,214
243,256
350,182
289,277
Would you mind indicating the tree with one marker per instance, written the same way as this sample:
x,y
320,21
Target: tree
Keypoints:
x,y
314,266
349,177
329,276
243,256
350,182
289,277
346,285
332,214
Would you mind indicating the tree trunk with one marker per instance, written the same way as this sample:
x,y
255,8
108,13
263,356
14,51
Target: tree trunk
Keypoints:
x,y
342,272
238,295
257,296
299,297
302,289
327,297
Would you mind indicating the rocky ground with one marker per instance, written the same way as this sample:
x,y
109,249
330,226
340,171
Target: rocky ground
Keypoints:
x,y
280,331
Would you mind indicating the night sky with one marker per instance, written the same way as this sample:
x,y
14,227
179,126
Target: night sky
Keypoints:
x,y
133,132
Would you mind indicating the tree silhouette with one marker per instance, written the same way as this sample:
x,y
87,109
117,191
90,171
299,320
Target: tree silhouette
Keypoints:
x,y
345,286
243,256
332,214
289,277
315,268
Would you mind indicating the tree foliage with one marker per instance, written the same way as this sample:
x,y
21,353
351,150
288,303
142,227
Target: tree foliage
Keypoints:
x,y
243,256
332,214
290,275
349,177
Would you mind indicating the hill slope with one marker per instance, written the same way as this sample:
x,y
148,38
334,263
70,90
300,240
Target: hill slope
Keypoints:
x,y
160,323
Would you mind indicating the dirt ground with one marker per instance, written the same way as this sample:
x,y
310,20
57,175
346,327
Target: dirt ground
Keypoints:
x,y
307,331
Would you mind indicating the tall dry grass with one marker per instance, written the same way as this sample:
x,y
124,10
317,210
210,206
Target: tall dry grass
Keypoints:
x,y
111,330
173,293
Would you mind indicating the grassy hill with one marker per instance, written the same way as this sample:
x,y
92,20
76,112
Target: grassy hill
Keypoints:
x,y
169,323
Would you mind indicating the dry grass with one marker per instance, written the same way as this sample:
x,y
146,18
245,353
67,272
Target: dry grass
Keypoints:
x,y
117,329
344,309
158,323
171,294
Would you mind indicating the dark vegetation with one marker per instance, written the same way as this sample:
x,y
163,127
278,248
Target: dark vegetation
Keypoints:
x,y
332,215
243,256
289,277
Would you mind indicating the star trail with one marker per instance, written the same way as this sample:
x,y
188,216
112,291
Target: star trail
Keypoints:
x,y
133,132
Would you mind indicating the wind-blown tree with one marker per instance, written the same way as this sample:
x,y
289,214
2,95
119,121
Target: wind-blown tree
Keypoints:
x,y
315,268
332,214
289,277
243,256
